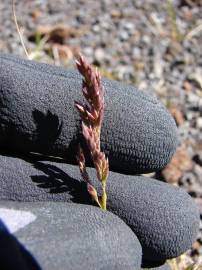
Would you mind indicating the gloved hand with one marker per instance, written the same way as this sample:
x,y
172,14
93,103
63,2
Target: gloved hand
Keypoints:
x,y
72,236
37,114
138,134
12,253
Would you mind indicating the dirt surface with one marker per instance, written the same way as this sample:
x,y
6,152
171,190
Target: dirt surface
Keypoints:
x,y
153,44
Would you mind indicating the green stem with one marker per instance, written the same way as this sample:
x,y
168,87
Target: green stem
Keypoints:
x,y
104,196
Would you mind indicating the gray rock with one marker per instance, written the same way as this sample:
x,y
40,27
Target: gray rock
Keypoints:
x,y
100,55
199,122
124,72
193,99
164,218
37,109
88,51
75,237
198,158
200,105
129,26
123,35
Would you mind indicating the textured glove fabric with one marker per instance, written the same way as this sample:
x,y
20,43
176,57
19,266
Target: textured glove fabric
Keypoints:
x,y
37,114
76,237
164,218
165,266
13,255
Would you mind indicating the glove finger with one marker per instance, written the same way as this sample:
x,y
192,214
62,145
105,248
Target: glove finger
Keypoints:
x,y
164,218
165,266
37,109
12,253
75,236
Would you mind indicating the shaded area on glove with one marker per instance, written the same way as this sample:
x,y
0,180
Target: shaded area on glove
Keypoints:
x,y
13,255
37,109
164,218
78,237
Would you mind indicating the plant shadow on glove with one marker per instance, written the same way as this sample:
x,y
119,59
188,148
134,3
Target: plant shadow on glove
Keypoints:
x,y
163,217
138,135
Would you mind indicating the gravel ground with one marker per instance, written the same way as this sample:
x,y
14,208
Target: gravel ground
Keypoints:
x,y
153,44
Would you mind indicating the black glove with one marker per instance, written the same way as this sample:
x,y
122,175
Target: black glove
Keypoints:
x,y
37,115
73,237
12,253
